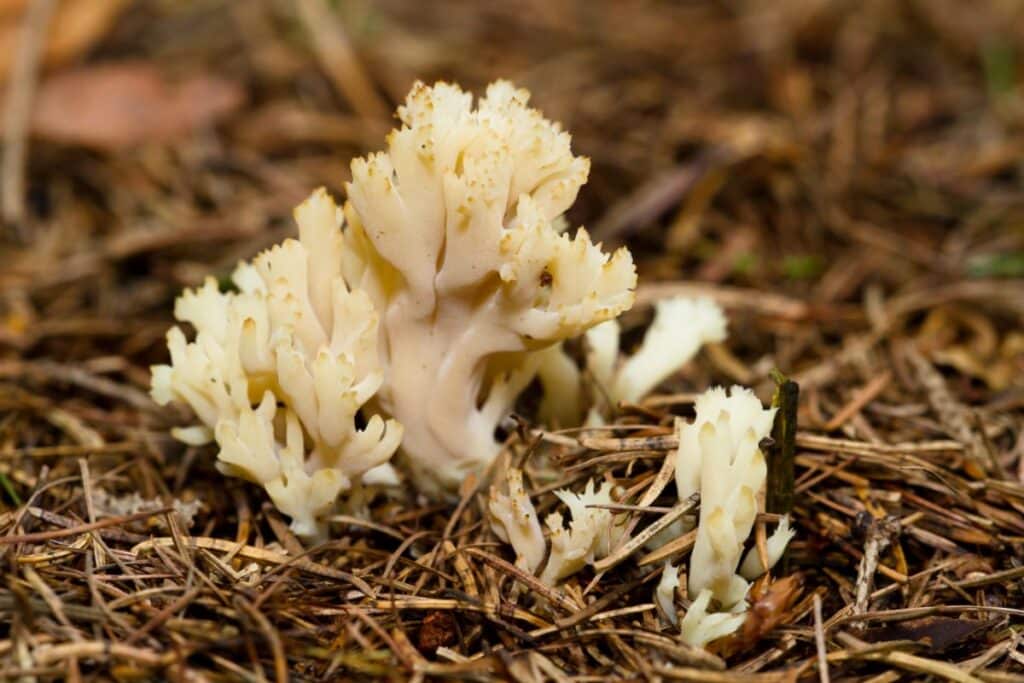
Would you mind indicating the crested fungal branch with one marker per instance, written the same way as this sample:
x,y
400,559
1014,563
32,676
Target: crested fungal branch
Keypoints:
x,y
592,532
591,535
514,520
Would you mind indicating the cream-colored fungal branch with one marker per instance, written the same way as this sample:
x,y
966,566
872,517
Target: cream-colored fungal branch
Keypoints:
x,y
561,403
681,326
454,232
665,594
592,532
721,450
278,369
514,520
753,566
701,626
719,456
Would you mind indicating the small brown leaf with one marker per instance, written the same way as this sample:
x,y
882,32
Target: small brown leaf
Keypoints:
x,y
972,565
115,105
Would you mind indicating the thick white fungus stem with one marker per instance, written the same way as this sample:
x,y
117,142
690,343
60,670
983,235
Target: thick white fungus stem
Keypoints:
x,y
561,400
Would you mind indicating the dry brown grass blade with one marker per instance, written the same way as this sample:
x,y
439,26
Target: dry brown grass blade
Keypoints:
x,y
339,60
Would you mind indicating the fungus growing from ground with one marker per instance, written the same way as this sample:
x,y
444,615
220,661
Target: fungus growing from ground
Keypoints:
x,y
426,303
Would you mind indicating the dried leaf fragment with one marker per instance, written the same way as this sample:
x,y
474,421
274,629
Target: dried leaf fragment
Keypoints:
x,y
122,104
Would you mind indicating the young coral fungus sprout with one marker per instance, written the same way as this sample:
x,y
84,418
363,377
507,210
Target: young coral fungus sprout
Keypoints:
x,y
426,303
719,455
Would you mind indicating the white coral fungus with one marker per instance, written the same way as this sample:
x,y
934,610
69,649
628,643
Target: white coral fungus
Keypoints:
x,y
279,368
592,533
426,311
720,451
454,233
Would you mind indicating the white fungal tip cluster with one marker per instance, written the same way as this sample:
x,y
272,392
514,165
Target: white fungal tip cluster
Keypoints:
x,y
719,456
701,625
514,520
732,471
592,533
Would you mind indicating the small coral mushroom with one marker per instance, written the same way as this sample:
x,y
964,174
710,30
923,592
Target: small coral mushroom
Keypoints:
x,y
592,534
430,309
722,448
278,370
514,520
719,455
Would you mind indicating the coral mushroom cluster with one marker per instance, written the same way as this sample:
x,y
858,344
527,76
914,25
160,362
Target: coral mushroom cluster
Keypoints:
x,y
426,303
719,458
454,233
278,370
410,319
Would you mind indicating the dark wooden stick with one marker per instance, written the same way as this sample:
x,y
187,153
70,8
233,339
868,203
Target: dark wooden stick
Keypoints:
x,y
783,447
